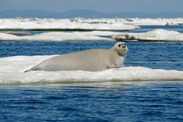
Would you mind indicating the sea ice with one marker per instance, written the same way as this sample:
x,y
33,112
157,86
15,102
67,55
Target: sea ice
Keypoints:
x,y
12,72
61,36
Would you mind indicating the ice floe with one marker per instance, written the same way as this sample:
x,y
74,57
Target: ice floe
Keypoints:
x,y
12,72
61,36
155,35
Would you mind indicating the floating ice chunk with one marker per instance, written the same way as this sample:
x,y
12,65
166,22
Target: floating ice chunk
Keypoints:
x,y
62,36
155,35
12,72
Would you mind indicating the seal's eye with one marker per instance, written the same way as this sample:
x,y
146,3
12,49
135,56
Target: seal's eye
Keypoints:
x,y
119,45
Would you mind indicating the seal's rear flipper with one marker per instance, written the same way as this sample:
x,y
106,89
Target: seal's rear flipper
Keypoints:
x,y
28,70
32,69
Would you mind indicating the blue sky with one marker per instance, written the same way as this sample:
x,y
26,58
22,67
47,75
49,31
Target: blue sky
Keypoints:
x,y
96,5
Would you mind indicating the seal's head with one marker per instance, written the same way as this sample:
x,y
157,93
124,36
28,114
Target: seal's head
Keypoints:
x,y
120,48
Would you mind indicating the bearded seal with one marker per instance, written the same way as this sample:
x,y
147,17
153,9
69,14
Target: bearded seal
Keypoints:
x,y
88,60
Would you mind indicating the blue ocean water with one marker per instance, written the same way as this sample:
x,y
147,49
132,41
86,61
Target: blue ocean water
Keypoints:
x,y
153,102
156,101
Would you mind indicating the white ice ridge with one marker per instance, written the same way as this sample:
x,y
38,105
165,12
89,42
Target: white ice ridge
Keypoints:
x,y
86,24
155,35
12,72
61,36
83,24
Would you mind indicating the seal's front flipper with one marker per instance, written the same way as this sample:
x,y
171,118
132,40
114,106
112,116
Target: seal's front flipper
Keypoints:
x,y
112,66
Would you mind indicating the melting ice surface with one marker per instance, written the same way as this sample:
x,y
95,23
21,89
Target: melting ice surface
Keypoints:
x,y
12,72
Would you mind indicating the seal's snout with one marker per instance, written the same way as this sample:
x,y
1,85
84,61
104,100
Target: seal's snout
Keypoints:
x,y
123,46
